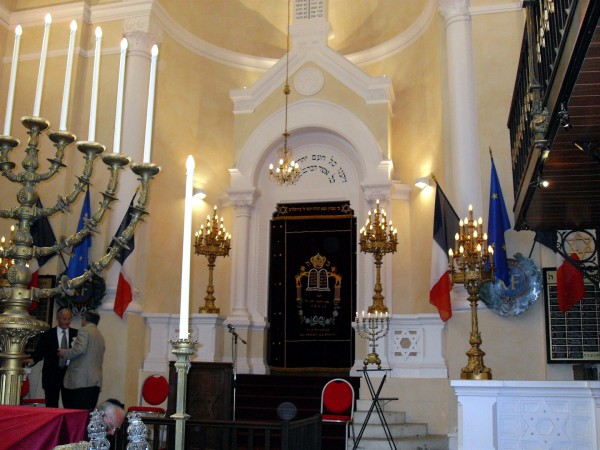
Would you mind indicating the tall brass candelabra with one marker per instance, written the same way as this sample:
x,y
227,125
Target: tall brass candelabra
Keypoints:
x,y
472,264
212,241
377,238
16,325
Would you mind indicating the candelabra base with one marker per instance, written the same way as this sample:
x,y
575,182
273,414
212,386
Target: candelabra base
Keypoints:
x,y
475,369
182,349
372,358
208,309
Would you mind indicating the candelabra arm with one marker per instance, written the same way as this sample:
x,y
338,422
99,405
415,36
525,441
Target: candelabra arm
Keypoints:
x,y
61,140
68,286
9,213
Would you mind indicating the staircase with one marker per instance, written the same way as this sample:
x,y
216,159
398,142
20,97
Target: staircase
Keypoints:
x,y
407,436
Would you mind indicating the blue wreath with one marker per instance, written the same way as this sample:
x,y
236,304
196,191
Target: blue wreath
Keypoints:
x,y
525,288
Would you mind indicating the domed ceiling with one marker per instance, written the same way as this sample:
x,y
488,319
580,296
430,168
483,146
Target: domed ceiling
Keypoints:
x,y
258,27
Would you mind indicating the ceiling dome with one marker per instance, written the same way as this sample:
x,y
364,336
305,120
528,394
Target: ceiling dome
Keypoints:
x,y
258,27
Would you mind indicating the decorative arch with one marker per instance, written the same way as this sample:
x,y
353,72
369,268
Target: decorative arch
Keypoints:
x,y
306,115
314,125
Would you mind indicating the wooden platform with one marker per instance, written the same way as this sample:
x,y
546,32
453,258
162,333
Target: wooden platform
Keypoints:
x,y
257,397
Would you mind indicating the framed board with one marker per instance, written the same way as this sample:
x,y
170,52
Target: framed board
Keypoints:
x,y
573,337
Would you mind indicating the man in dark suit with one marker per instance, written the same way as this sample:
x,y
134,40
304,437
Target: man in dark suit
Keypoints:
x,y
54,368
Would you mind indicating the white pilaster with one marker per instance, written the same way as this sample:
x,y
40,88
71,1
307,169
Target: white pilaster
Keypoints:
x,y
135,103
243,202
462,105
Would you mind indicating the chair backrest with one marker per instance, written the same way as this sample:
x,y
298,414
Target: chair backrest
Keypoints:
x,y
155,389
25,386
337,397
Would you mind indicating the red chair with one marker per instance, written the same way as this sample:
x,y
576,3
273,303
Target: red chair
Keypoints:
x,y
155,391
337,404
25,388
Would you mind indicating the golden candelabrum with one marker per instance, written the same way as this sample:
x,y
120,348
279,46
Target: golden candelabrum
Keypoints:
x,y
212,241
472,264
16,325
374,327
378,238
6,263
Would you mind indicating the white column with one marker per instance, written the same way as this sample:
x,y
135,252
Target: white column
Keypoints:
x,y
243,202
135,104
462,106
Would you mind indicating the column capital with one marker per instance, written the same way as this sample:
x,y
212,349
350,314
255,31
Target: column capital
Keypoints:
x,y
142,33
374,192
454,9
242,198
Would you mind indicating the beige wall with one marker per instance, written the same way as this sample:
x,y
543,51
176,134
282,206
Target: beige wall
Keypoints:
x,y
193,115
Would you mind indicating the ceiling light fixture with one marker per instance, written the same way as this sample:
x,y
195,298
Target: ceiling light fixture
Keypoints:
x,y
287,171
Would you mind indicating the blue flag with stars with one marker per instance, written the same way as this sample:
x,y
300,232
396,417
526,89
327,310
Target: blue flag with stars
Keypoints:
x,y
79,260
498,223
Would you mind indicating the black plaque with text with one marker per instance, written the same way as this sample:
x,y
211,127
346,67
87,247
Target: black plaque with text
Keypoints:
x,y
573,337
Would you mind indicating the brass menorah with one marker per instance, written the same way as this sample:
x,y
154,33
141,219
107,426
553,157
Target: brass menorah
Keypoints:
x,y
374,327
16,325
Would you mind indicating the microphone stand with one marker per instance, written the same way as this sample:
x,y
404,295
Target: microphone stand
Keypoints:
x,y
234,340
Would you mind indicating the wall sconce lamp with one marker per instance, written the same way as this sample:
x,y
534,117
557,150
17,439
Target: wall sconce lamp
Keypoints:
x,y
422,183
199,194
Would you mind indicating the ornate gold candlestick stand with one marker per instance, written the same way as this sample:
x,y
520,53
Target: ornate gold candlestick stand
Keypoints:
x,y
472,264
182,349
378,239
212,241
373,328
16,325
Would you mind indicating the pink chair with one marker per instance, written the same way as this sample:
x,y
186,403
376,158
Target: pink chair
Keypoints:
x,y
337,404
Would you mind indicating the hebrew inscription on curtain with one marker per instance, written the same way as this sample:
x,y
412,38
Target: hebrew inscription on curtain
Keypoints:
x,y
312,292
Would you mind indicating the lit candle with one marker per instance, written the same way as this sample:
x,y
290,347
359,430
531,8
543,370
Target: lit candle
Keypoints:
x,y
120,84
184,313
150,112
13,78
40,81
65,102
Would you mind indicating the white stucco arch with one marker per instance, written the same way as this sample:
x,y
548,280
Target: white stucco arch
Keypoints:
x,y
315,126
312,114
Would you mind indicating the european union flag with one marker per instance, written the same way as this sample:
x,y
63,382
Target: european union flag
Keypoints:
x,y
498,223
79,261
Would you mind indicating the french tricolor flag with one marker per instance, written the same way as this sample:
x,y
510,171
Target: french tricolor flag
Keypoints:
x,y
445,226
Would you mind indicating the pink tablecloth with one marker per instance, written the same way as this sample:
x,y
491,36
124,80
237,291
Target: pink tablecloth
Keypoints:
x,y
35,428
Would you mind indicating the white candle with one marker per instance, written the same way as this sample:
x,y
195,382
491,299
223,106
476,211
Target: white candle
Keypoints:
x,y
119,112
95,76
184,313
11,83
40,81
66,92
150,112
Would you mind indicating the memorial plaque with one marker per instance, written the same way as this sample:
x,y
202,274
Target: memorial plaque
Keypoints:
x,y
573,337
